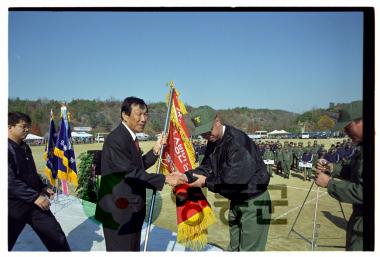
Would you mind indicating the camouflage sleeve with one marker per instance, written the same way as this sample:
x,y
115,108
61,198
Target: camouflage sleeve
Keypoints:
x,y
346,191
341,171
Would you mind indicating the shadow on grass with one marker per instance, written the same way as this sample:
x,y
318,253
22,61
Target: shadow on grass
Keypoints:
x,y
338,221
83,236
160,240
299,175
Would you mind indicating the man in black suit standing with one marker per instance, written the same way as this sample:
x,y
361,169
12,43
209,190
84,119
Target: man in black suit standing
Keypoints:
x,y
121,205
28,196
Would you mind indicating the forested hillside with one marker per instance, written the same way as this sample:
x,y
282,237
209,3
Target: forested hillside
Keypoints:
x,y
103,116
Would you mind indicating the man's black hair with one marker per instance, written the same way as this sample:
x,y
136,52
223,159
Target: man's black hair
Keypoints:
x,y
129,102
16,117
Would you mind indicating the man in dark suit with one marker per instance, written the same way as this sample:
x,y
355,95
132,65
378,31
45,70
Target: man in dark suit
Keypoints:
x,y
121,206
28,196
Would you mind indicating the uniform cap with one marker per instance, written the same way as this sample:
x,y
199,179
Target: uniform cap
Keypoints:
x,y
203,119
346,115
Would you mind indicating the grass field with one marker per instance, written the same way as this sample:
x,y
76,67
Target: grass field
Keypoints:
x,y
288,194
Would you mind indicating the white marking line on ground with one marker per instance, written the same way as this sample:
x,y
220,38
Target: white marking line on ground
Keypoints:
x,y
304,189
170,246
299,206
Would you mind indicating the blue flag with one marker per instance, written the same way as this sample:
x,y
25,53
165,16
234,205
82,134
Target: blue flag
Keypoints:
x,y
67,169
51,169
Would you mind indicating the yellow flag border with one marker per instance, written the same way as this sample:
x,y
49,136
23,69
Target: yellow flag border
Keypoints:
x,y
191,235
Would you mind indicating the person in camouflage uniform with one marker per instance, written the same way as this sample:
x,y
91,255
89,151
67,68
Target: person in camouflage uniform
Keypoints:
x,y
314,151
286,161
299,152
349,188
279,160
268,155
273,147
321,150
307,157
308,147
294,156
316,146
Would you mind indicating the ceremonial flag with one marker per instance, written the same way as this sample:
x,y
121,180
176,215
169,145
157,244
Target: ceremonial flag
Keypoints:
x,y
194,213
51,168
67,169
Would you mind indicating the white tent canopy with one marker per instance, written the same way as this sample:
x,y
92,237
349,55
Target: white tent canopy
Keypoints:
x,y
32,137
274,132
278,132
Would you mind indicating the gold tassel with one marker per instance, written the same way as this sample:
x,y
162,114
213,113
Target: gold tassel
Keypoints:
x,y
48,173
192,233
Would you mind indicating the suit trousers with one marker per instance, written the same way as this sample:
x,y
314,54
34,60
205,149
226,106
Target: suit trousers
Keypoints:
x,y
42,222
127,243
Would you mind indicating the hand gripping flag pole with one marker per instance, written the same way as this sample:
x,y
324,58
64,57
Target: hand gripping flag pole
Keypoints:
x,y
153,200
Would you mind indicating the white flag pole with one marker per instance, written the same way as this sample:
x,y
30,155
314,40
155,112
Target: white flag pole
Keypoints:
x,y
153,200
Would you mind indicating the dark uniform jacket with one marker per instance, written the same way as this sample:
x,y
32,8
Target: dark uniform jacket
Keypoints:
x,y
24,183
341,152
332,157
350,190
123,167
233,167
307,157
348,153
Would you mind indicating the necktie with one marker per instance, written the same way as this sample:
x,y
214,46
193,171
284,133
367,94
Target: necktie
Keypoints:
x,y
137,145
138,151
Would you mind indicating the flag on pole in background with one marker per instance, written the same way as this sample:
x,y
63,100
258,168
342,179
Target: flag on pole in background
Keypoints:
x,y
194,213
51,168
67,169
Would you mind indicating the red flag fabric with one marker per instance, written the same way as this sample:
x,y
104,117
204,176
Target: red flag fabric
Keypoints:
x,y
194,213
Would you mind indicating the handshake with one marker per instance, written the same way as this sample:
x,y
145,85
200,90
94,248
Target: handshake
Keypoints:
x,y
178,178
175,179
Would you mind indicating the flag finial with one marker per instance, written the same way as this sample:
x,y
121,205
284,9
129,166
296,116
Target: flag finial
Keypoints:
x,y
171,84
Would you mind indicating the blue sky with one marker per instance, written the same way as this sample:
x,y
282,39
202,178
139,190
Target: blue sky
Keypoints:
x,y
292,61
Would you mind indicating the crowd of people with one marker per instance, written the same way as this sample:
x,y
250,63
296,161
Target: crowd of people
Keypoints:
x,y
288,156
284,157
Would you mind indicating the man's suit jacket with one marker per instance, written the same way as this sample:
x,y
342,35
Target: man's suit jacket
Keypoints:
x,y
121,204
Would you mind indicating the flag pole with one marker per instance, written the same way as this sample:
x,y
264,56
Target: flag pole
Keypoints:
x,y
62,115
153,200
56,186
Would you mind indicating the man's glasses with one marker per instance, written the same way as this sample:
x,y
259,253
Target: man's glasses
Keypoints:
x,y
24,127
